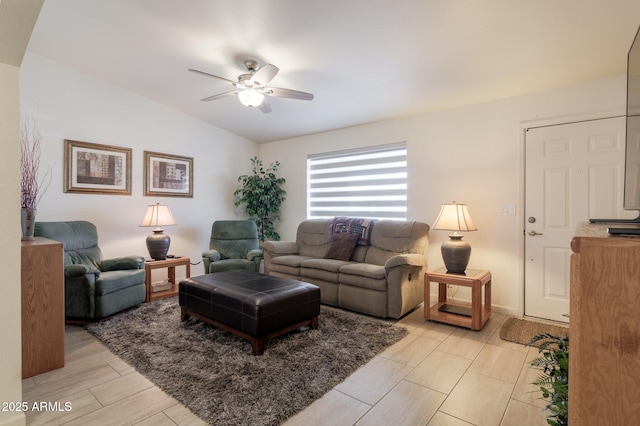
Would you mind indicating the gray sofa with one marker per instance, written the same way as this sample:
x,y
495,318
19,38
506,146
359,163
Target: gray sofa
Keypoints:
x,y
383,276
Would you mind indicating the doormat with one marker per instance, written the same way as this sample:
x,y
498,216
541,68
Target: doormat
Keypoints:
x,y
522,331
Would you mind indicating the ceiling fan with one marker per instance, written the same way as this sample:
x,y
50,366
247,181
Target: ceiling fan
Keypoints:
x,y
252,87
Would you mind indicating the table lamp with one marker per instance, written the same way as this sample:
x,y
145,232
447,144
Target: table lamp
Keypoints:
x,y
158,242
455,252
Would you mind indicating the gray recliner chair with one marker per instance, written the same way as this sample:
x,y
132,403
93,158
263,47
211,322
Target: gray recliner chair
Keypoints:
x,y
234,244
94,287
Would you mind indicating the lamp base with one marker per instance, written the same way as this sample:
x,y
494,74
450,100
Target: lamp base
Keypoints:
x,y
158,244
456,254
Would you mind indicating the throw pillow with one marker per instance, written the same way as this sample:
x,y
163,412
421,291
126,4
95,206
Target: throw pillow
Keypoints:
x,y
354,225
341,246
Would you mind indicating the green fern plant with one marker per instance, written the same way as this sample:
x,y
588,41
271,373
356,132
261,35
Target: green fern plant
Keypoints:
x,y
554,377
262,195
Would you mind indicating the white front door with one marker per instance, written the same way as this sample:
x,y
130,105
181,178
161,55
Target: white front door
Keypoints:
x,y
574,172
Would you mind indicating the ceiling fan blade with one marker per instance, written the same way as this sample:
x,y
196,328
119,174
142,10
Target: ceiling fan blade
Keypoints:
x,y
264,75
211,75
288,93
265,107
220,95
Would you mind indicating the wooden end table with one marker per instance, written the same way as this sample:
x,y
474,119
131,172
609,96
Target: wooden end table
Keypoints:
x,y
473,317
170,264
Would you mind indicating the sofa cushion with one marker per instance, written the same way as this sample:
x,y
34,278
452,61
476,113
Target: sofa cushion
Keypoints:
x,y
365,270
341,246
292,260
312,237
378,256
332,265
347,280
400,237
232,264
288,265
112,281
310,274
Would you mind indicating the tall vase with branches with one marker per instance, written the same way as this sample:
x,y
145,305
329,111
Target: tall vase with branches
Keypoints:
x,y
31,187
262,195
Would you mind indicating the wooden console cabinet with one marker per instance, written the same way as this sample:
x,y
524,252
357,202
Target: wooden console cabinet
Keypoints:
x,y
604,331
42,306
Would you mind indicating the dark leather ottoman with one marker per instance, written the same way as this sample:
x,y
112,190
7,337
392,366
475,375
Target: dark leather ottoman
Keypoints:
x,y
250,305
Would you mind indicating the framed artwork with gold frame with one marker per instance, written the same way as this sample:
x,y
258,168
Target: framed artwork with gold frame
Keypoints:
x,y
167,175
92,168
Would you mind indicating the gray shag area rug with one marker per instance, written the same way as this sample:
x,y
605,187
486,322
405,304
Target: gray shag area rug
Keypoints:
x,y
215,375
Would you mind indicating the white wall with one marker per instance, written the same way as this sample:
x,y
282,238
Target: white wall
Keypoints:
x,y
70,105
10,299
17,18
472,155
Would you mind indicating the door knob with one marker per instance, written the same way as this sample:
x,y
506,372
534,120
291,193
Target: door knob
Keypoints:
x,y
533,233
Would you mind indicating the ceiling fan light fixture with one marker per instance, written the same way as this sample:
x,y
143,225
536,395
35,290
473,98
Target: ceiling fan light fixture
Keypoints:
x,y
250,98
252,87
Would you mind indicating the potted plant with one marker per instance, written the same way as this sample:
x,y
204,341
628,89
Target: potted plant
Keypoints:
x,y
554,378
31,189
262,194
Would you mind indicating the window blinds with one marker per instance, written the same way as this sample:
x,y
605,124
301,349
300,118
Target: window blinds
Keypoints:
x,y
367,182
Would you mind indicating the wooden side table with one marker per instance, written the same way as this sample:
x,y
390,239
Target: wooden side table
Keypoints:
x,y
457,314
170,264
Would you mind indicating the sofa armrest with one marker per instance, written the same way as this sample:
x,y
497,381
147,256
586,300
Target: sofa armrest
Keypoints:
x,y
405,283
408,259
279,248
122,263
271,249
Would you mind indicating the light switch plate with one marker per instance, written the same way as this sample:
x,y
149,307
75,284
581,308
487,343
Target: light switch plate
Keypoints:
x,y
507,210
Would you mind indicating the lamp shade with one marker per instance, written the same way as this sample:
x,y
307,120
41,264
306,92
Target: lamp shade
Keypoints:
x,y
158,216
250,98
454,217
455,252
158,242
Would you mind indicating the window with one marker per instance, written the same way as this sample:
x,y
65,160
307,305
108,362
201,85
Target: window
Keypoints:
x,y
367,182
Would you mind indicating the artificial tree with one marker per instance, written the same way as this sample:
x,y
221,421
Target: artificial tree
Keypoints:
x,y
262,194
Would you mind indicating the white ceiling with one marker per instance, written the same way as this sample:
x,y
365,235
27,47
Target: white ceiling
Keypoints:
x,y
364,60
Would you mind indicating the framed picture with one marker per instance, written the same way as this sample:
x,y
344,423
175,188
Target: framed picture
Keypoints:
x,y
167,175
93,168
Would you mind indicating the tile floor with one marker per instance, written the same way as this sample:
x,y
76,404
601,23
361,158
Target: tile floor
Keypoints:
x,y
439,375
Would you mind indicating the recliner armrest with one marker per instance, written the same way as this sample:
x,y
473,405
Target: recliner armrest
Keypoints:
x,y
211,255
252,254
78,270
122,263
208,257
408,259
280,247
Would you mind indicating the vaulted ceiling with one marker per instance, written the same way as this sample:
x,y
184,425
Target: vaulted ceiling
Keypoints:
x,y
364,60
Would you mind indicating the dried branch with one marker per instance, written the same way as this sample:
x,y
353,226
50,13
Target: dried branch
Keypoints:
x,y
31,190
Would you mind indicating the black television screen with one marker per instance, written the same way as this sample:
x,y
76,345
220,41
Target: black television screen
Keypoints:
x,y
632,158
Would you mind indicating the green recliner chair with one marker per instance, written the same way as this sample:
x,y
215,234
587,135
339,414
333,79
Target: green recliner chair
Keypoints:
x,y
94,287
234,244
